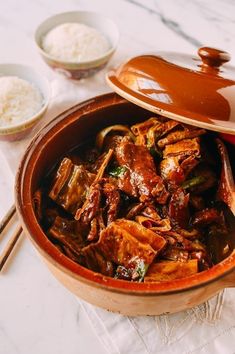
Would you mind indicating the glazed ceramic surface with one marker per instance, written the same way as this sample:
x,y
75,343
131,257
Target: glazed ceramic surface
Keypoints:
x,y
79,70
63,134
197,90
20,130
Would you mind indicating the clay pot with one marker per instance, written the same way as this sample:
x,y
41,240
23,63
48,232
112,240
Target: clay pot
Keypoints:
x,y
65,132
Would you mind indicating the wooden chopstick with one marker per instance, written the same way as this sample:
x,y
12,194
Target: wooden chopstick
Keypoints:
x,y
10,246
14,238
7,218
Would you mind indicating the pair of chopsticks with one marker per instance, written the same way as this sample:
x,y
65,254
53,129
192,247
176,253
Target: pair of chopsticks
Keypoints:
x,y
13,239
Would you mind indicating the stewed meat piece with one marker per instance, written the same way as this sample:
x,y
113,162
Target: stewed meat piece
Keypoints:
x,y
168,270
189,164
70,234
143,127
95,260
207,216
103,189
142,234
179,135
70,186
92,207
171,170
140,178
178,208
112,202
128,244
175,169
183,148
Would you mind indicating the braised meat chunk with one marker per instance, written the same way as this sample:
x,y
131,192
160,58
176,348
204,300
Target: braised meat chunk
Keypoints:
x,y
146,202
71,184
180,135
178,208
103,198
128,244
96,261
207,216
140,178
166,270
183,148
70,235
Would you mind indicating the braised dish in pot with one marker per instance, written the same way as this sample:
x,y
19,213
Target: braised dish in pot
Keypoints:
x,y
139,203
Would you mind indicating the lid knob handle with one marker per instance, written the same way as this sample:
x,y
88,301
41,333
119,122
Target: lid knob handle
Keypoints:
x,y
212,57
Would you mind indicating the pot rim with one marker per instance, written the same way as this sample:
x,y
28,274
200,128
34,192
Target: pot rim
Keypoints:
x,y
58,259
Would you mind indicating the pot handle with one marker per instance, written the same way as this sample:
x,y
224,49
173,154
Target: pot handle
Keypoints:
x,y
213,58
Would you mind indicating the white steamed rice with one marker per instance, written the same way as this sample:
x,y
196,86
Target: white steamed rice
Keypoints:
x,y
75,42
19,100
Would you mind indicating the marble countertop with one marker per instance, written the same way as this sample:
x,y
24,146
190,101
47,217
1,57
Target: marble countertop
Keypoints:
x,y
37,314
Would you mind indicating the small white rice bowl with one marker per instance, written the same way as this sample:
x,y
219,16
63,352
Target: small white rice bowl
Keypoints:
x,y
19,100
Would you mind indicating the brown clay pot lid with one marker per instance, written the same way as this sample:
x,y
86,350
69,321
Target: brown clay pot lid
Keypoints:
x,y
195,90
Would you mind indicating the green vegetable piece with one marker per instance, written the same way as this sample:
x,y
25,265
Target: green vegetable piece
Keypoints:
x,y
155,152
118,171
136,271
193,182
141,269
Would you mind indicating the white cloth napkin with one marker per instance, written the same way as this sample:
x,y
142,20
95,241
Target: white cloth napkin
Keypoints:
x,y
208,328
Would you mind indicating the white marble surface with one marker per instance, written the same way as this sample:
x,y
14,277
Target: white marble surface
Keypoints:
x,y
38,315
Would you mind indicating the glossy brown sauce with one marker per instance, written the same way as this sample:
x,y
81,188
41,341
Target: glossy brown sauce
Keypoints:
x,y
218,246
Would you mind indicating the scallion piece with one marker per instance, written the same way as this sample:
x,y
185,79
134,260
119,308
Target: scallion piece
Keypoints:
x,y
193,182
118,171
